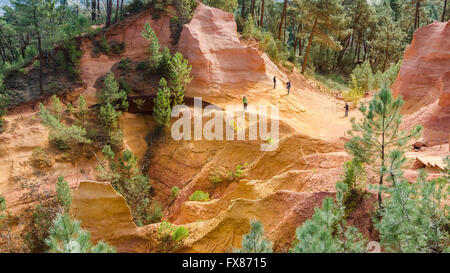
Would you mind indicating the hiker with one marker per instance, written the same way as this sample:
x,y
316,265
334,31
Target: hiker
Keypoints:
x,y
244,100
346,109
288,86
274,82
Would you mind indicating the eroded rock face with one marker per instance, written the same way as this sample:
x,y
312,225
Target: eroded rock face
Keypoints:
x,y
424,82
211,44
426,60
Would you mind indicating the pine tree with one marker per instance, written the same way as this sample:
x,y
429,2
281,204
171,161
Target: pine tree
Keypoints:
x,y
31,16
108,116
161,108
415,217
255,241
112,94
179,77
83,110
63,136
67,236
326,20
378,132
327,230
389,43
155,56
63,193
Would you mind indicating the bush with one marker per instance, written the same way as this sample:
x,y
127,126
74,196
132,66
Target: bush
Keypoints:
x,y
174,191
199,196
238,172
226,5
64,137
170,236
362,78
355,93
124,64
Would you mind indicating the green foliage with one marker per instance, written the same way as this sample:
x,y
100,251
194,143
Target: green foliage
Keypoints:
x,y
56,107
155,56
255,241
124,64
67,236
186,9
112,94
179,78
2,209
415,217
161,108
83,110
226,5
108,117
378,132
327,230
238,172
64,137
127,179
63,193
355,94
68,58
4,102
174,191
362,77
199,196
170,236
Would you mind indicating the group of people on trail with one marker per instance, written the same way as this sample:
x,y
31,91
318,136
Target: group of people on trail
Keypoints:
x,y
288,86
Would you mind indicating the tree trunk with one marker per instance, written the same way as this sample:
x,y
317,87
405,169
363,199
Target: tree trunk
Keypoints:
x,y
252,9
108,13
283,14
121,8
305,59
262,14
416,17
116,19
443,12
98,8
243,8
93,12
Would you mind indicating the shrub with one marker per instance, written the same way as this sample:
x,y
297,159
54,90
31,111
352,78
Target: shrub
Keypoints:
x,y
127,179
170,236
199,196
62,136
174,191
124,64
362,78
238,172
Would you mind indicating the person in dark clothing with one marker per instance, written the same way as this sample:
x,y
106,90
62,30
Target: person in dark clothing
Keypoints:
x,y
288,86
346,109
274,82
244,101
